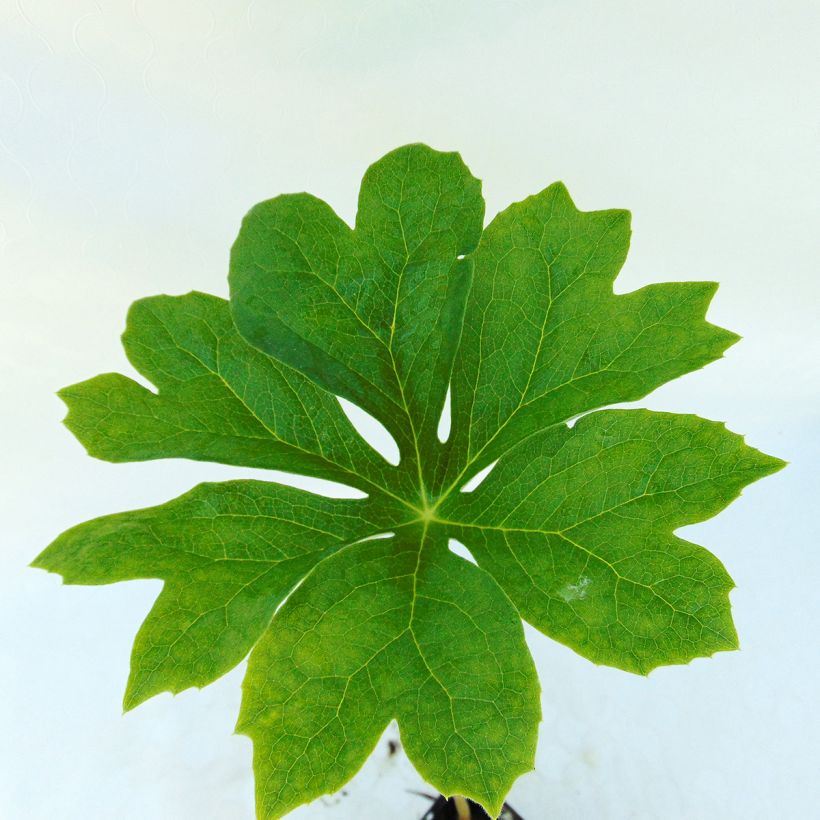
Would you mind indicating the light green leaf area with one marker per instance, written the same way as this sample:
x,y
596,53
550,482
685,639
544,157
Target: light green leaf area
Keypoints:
x,y
228,553
354,613
545,338
577,526
395,628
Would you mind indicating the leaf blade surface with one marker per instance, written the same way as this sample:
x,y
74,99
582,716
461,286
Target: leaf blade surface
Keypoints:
x,y
577,525
419,635
218,399
546,339
228,553
371,313
356,613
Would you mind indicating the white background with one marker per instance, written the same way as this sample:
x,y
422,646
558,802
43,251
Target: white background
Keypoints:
x,y
133,137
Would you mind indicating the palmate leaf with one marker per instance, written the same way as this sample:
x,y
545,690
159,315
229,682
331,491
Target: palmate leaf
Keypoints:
x,y
573,530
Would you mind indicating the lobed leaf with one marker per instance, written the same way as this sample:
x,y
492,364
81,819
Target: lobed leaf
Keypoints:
x,y
417,634
546,339
372,314
229,553
577,527
573,530
218,399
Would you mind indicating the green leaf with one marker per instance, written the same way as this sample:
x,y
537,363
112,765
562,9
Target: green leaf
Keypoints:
x,y
218,399
417,634
577,526
355,612
372,314
228,553
545,338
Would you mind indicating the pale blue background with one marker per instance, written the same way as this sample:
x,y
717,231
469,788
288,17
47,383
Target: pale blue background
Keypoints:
x,y
134,135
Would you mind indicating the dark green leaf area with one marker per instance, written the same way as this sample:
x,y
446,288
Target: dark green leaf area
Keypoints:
x,y
218,399
372,313
577,526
